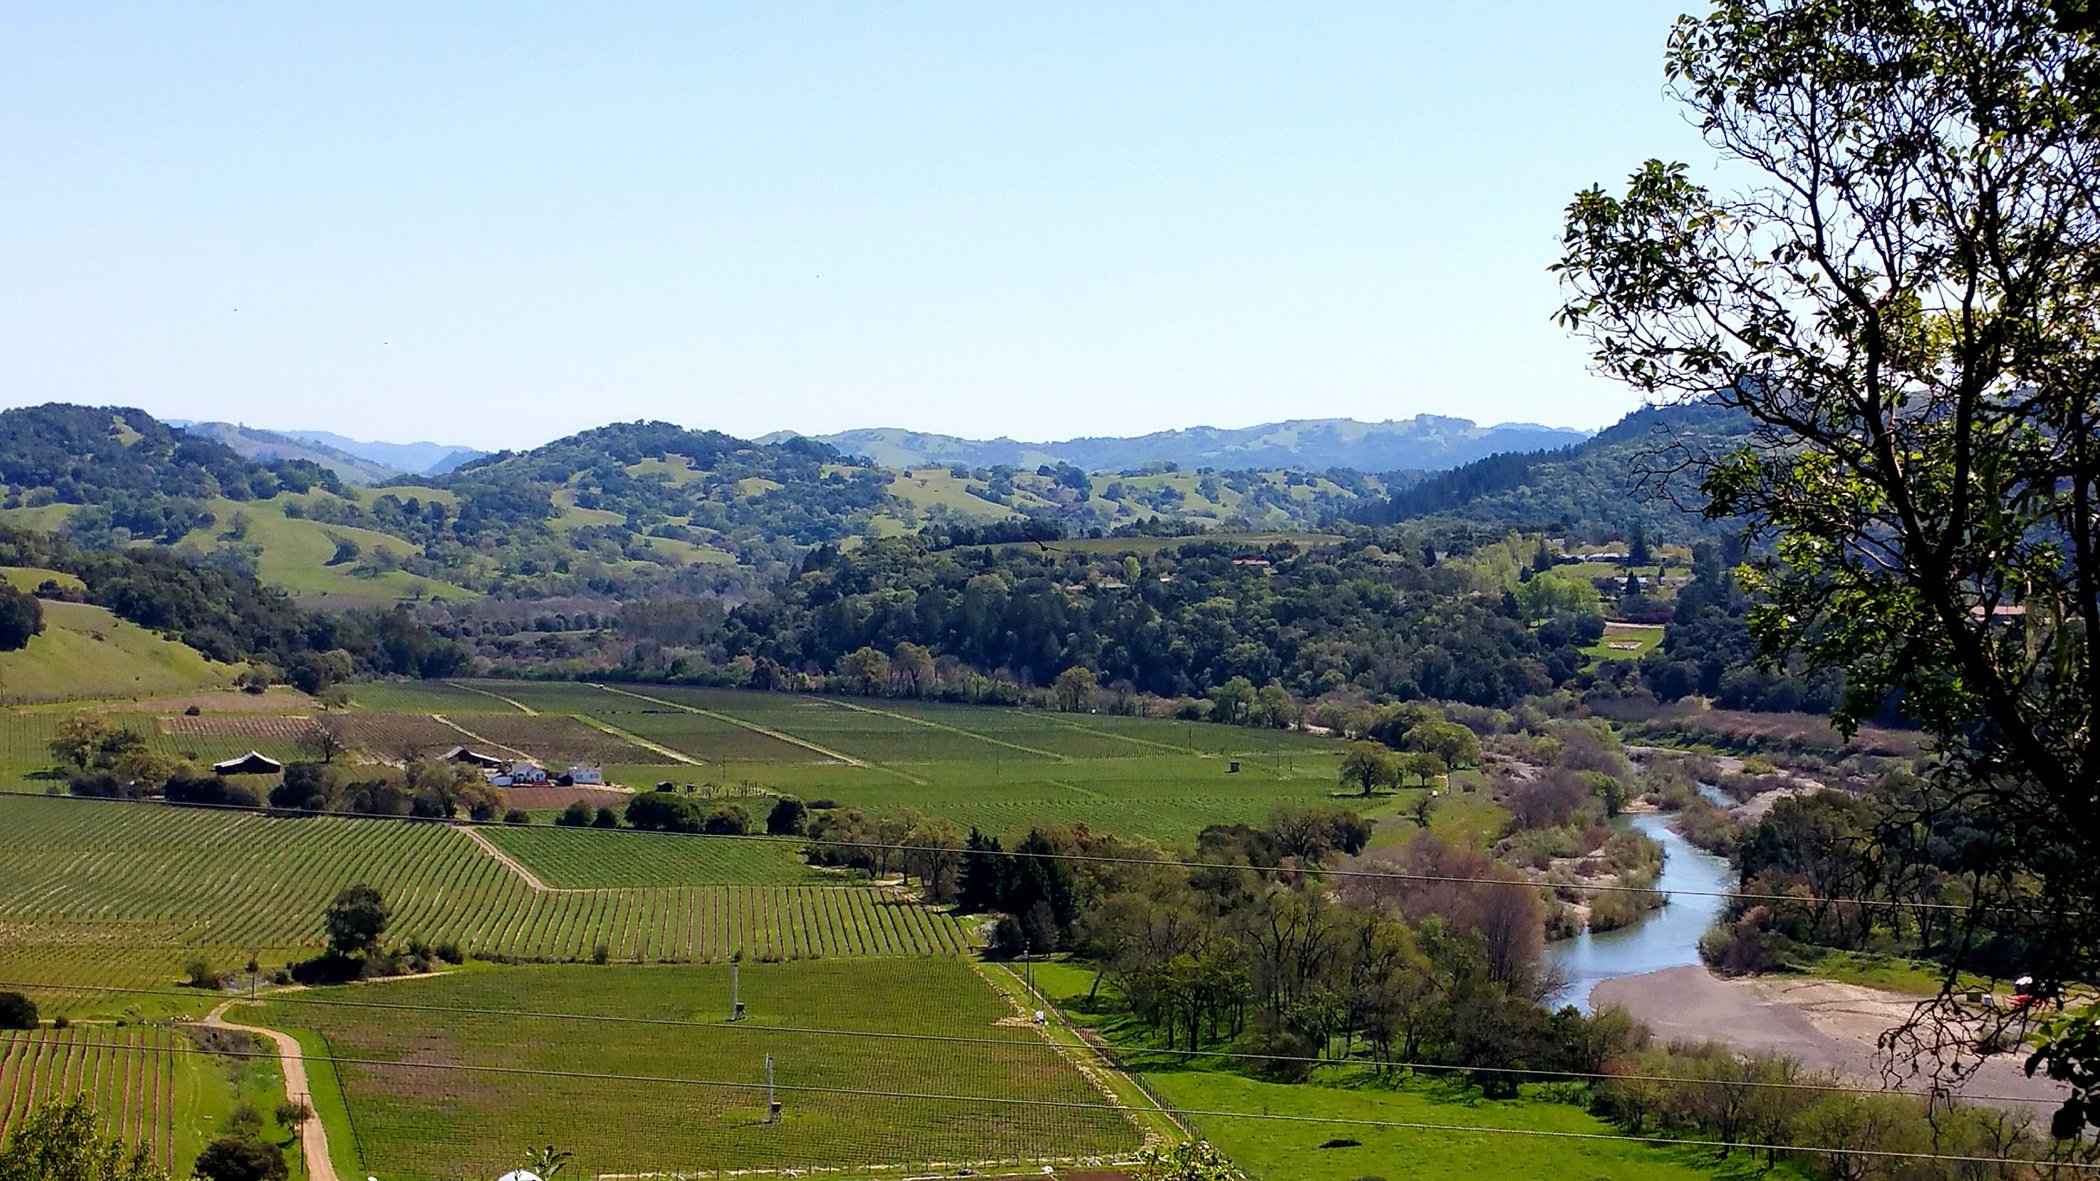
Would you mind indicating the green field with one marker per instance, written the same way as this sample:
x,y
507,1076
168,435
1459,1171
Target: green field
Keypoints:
x,y
1626,641
123,894
1001,770
442,1093
1293,1148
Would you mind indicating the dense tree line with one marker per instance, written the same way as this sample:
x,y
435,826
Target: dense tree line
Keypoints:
x,y
1181,621
1872,872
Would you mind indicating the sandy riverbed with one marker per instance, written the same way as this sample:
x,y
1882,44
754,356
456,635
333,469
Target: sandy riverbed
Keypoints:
x,y
1825,1024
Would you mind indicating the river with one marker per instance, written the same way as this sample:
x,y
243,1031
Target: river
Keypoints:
x,y
1667,938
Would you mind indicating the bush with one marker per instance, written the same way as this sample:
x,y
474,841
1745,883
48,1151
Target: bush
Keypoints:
x,y
788,818
21,618
198,973
17,1011
237,1159
449,952
516,816
188,786
727,820
1008,940
576,815
606,818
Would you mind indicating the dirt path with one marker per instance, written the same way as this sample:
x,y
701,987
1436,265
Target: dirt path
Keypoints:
x,y
520,706
476,737
1825,1024
931,725
675,756
313,1138
509,862
755,728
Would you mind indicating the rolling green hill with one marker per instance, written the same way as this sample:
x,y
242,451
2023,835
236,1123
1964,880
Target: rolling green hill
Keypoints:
x,y
86,652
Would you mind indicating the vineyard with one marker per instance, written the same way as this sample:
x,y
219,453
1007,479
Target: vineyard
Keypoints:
x,y
130,1075
691,1098
556,740
98,893
576,857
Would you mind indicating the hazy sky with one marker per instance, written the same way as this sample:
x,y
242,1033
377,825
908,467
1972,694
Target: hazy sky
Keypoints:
x,y
496,225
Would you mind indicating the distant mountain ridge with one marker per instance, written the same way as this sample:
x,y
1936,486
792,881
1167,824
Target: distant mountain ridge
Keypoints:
x,y
263,446
1426,442
415,459
354,461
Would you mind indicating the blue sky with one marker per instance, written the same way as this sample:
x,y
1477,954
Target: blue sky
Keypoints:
x,y
499,224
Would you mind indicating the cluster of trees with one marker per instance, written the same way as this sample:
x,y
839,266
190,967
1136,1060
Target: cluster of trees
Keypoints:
x,y
1708,650
105,761
1182,622
663,810
1873,872
425,788
1263,955
1707,1091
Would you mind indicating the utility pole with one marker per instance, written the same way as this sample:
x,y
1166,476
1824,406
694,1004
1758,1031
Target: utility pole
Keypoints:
x,y
736,996
772,1104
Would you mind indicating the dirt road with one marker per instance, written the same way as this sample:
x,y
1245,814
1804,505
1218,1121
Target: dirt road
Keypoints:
x,y
1825,1024
313,1138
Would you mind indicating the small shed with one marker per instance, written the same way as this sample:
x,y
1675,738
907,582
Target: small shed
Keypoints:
x,y
252,763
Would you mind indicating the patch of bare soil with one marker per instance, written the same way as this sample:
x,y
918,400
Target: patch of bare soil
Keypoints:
x,y
1825,1024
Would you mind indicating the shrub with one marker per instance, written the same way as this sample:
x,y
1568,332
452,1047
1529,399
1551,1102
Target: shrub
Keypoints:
x,y
198,973
449,952
17,1011
232,1158
788,817
576,815
729,820
606,818
516,816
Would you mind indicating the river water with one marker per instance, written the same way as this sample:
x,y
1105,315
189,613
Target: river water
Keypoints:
x,y
1667,938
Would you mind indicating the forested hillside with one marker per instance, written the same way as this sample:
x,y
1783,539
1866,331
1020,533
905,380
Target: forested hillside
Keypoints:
x,y
1616,480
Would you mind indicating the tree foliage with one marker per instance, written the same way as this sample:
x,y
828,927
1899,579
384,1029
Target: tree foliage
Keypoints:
x,y
62,1141
356,920
1905,300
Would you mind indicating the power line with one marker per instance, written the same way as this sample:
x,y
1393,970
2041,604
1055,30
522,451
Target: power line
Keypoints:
x,y
1108,859
1122,1110
307,999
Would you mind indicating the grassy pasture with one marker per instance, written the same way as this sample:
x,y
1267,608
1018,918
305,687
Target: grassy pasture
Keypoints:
x,y
85,652
1626,641
1282,1150
421,1109
100,893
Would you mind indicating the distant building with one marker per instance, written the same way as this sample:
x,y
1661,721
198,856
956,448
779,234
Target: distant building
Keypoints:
x,y
473,758
522,773
585,775
251,763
